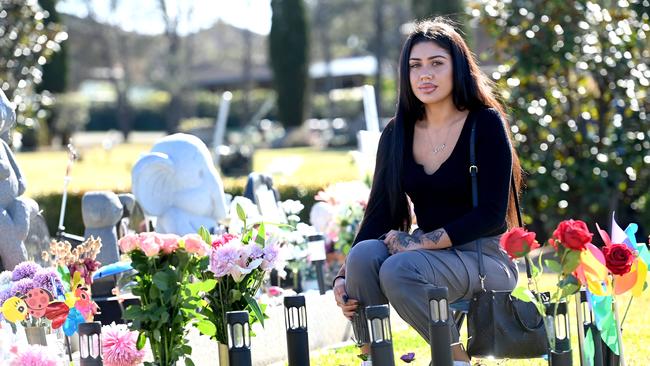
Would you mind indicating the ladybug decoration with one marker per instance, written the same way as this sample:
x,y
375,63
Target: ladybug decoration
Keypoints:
x,y
37,301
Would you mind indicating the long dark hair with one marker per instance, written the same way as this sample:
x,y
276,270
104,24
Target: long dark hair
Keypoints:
x,y
472,90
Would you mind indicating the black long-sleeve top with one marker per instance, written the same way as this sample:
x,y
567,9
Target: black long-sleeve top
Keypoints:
x,y
444,198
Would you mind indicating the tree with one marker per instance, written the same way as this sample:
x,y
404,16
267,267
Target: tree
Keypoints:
x,y
576,78
55,72
26,43
430,8
178,51
289,50
115,53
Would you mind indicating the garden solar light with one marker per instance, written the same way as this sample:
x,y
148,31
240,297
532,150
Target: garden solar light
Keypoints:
x,y
381,345
439,329
295,320
239,339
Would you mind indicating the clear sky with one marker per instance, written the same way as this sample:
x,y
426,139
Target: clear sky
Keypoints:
x,y
144,16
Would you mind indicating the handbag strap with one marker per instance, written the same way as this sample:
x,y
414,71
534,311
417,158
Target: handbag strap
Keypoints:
x,y
473,171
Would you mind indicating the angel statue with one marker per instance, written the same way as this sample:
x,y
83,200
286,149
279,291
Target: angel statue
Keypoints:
x,y
178,184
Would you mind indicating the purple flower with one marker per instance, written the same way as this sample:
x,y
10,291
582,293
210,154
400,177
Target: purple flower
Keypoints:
x,y
48,279
271,256
25,269
5,294
408,357
23,286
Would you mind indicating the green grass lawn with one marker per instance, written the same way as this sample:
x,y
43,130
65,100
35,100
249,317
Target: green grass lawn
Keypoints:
x,y
636,337
102,170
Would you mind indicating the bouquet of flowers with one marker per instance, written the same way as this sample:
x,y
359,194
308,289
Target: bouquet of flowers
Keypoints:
x,y
621,265
165,265
347,204
238,263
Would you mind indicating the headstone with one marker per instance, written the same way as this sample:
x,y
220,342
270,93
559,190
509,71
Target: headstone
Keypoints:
x,y
38,236
178,184
101,211
14,211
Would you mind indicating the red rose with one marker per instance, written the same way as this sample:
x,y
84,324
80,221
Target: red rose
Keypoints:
x,y
518,242
618,258
573,234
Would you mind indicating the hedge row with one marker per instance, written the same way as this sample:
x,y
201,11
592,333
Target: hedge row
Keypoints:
x,y
50,204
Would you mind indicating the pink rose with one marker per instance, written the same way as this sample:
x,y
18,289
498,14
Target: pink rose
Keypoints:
x,y
169,243
129,243
223,239
194,244
150,244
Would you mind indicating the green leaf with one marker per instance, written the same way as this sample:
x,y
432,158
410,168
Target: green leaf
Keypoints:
x,y
255,307
142,339
202,286
553,265
206,327
571,261
235,294
64,273
261,235
132,312
188,361
205,235
241,213
162,280
569,285
523,294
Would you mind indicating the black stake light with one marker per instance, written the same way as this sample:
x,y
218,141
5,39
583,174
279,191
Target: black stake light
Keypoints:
x,y
381,344
439,326
239,339
90,344
317,256
295,321
561,355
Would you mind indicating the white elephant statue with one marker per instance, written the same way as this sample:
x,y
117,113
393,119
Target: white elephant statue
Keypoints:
x,y
178,184
14,210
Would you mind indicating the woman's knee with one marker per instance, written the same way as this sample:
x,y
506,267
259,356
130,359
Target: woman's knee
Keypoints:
x,y
366,255
396,273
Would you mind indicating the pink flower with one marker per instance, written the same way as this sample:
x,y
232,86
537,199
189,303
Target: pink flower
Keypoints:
x,y
275,291
129,242
150,244
34,355
119,346
223,239
194,244
169,243
233,259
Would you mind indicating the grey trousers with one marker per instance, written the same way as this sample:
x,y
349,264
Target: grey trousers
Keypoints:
x,y
375,277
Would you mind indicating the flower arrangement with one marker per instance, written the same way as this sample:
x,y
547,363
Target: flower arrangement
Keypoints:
x,y
620,266
119,346
165,265
238,263
347,203
79,259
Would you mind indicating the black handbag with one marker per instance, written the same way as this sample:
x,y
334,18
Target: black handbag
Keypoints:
x,y
498,324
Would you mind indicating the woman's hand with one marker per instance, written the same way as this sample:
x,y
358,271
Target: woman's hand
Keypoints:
x,y
399,241
348,306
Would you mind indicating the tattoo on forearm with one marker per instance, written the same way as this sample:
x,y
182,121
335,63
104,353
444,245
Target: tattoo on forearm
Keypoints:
x,y
435,236
405,240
